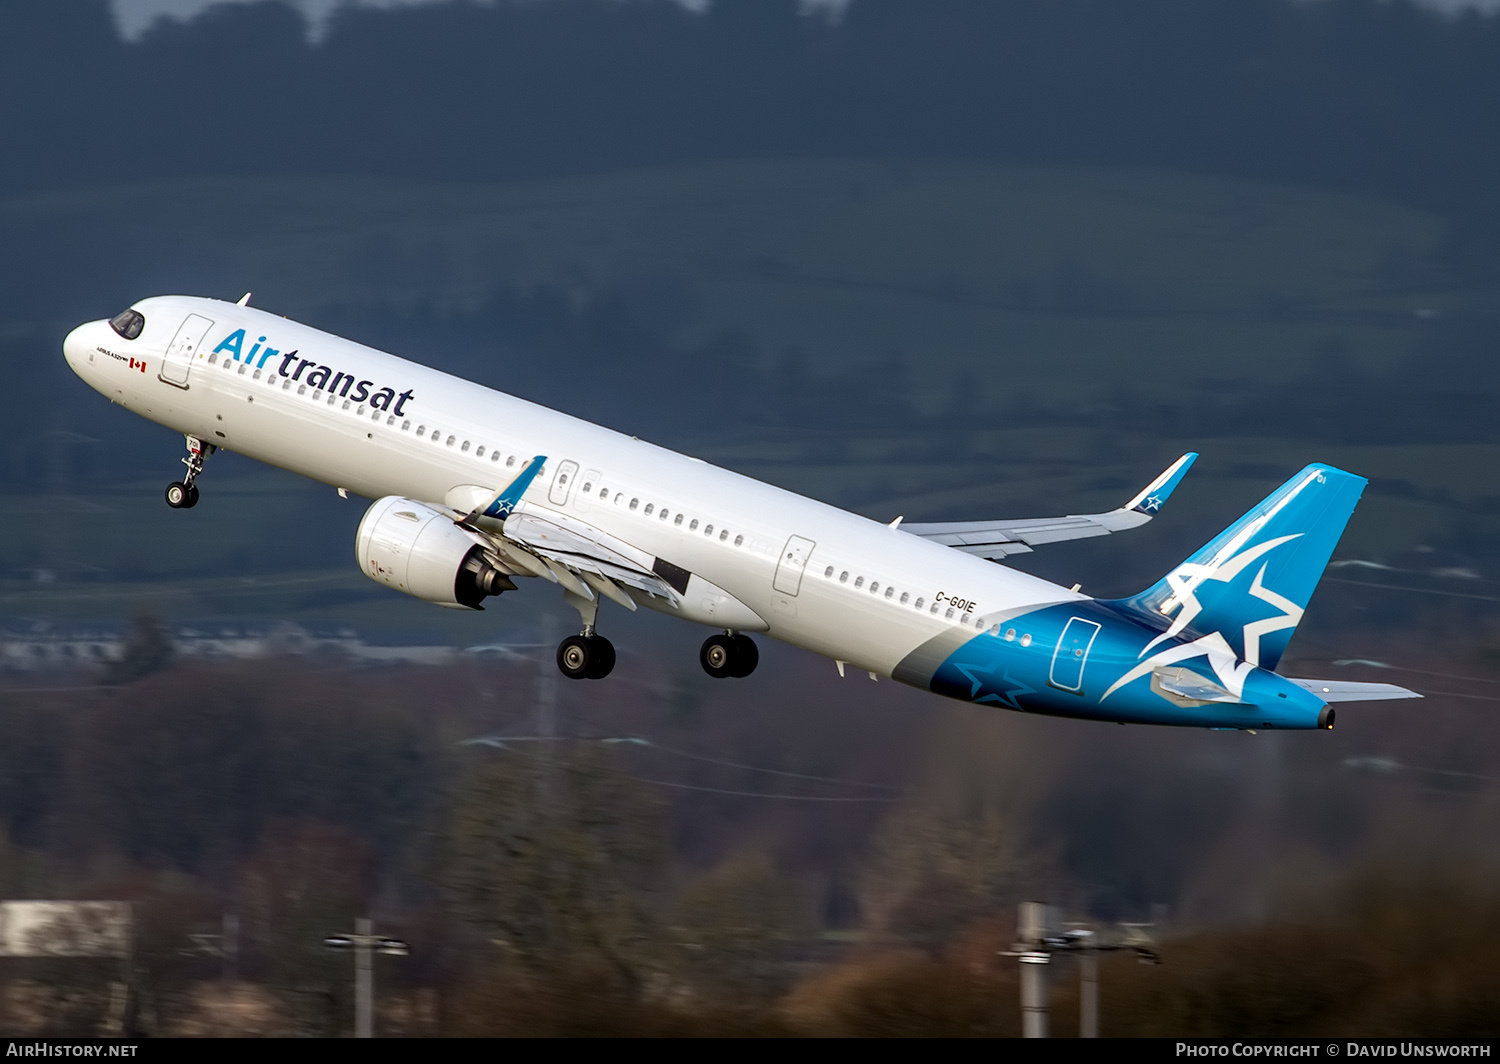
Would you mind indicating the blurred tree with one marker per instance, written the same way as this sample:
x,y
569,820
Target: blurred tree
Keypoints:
x,y
147,649
740,925
559,863
960,847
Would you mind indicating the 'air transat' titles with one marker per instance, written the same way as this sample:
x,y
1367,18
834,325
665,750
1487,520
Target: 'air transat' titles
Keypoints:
x,y
320,376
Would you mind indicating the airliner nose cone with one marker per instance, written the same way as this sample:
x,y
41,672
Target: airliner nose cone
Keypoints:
x,y
76,345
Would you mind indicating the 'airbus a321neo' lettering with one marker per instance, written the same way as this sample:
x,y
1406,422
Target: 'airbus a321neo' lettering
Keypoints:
x,y
475,489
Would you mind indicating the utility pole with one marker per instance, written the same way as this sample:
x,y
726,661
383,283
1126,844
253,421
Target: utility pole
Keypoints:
x,y
1088,985
1031,950
546,717
1035,944
365,946
229,948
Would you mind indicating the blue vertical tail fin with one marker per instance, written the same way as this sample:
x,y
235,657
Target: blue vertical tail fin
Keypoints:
x,y
1252,582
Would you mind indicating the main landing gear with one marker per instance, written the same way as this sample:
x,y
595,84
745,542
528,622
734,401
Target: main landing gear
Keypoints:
x,y
730,654
588,655
183,494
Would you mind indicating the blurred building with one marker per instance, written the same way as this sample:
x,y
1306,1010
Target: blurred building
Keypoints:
x,y
54,646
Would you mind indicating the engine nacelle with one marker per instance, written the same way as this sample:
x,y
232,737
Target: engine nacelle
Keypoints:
x,y
411,547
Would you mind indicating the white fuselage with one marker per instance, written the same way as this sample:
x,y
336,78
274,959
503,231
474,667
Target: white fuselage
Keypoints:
x,y
866,594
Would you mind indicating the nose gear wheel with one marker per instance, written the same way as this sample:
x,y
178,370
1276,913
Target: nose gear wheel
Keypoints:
x,y
183,494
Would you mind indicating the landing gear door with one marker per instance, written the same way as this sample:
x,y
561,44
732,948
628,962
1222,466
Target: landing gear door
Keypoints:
x,y
562,483
178,361
794,555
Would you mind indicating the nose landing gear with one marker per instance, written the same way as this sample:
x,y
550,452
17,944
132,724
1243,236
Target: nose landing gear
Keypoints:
x,y
183,494
729,655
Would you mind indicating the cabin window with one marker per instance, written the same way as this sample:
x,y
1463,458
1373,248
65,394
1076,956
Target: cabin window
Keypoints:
x,y
934,609
723,535
844,577
451,439
677,520
465,447
510,461
874,586
663,513
1026,640
421,431
904,596
918,603
693,525
994,629
634,503
889,592
391,420
405,425
241,370
1010,635
346,402
619,497
317,395
949,615
859,581
708,530
255,375
739,541
479,452
437,437
588,486
650,506
301,389
828,573
494,456
212,359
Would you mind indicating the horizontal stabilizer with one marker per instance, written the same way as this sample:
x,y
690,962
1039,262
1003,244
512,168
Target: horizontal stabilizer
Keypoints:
x,y
996,539
1352,691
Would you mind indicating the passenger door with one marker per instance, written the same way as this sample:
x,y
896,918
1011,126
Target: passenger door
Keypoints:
x,y
562,482
794,555
178,361
1071,654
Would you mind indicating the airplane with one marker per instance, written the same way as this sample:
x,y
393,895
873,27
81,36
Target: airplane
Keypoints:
x,y
474,489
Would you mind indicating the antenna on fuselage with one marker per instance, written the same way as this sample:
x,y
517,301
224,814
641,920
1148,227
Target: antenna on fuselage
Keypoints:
x,y
243,301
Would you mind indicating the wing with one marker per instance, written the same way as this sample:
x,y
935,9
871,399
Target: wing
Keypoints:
x,y
582,558
996,539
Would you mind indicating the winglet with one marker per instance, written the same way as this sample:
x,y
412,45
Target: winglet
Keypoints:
x,y
505,502
1155,494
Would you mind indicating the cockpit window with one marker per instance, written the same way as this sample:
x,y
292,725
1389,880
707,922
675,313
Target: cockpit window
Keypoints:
x,y
128,323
